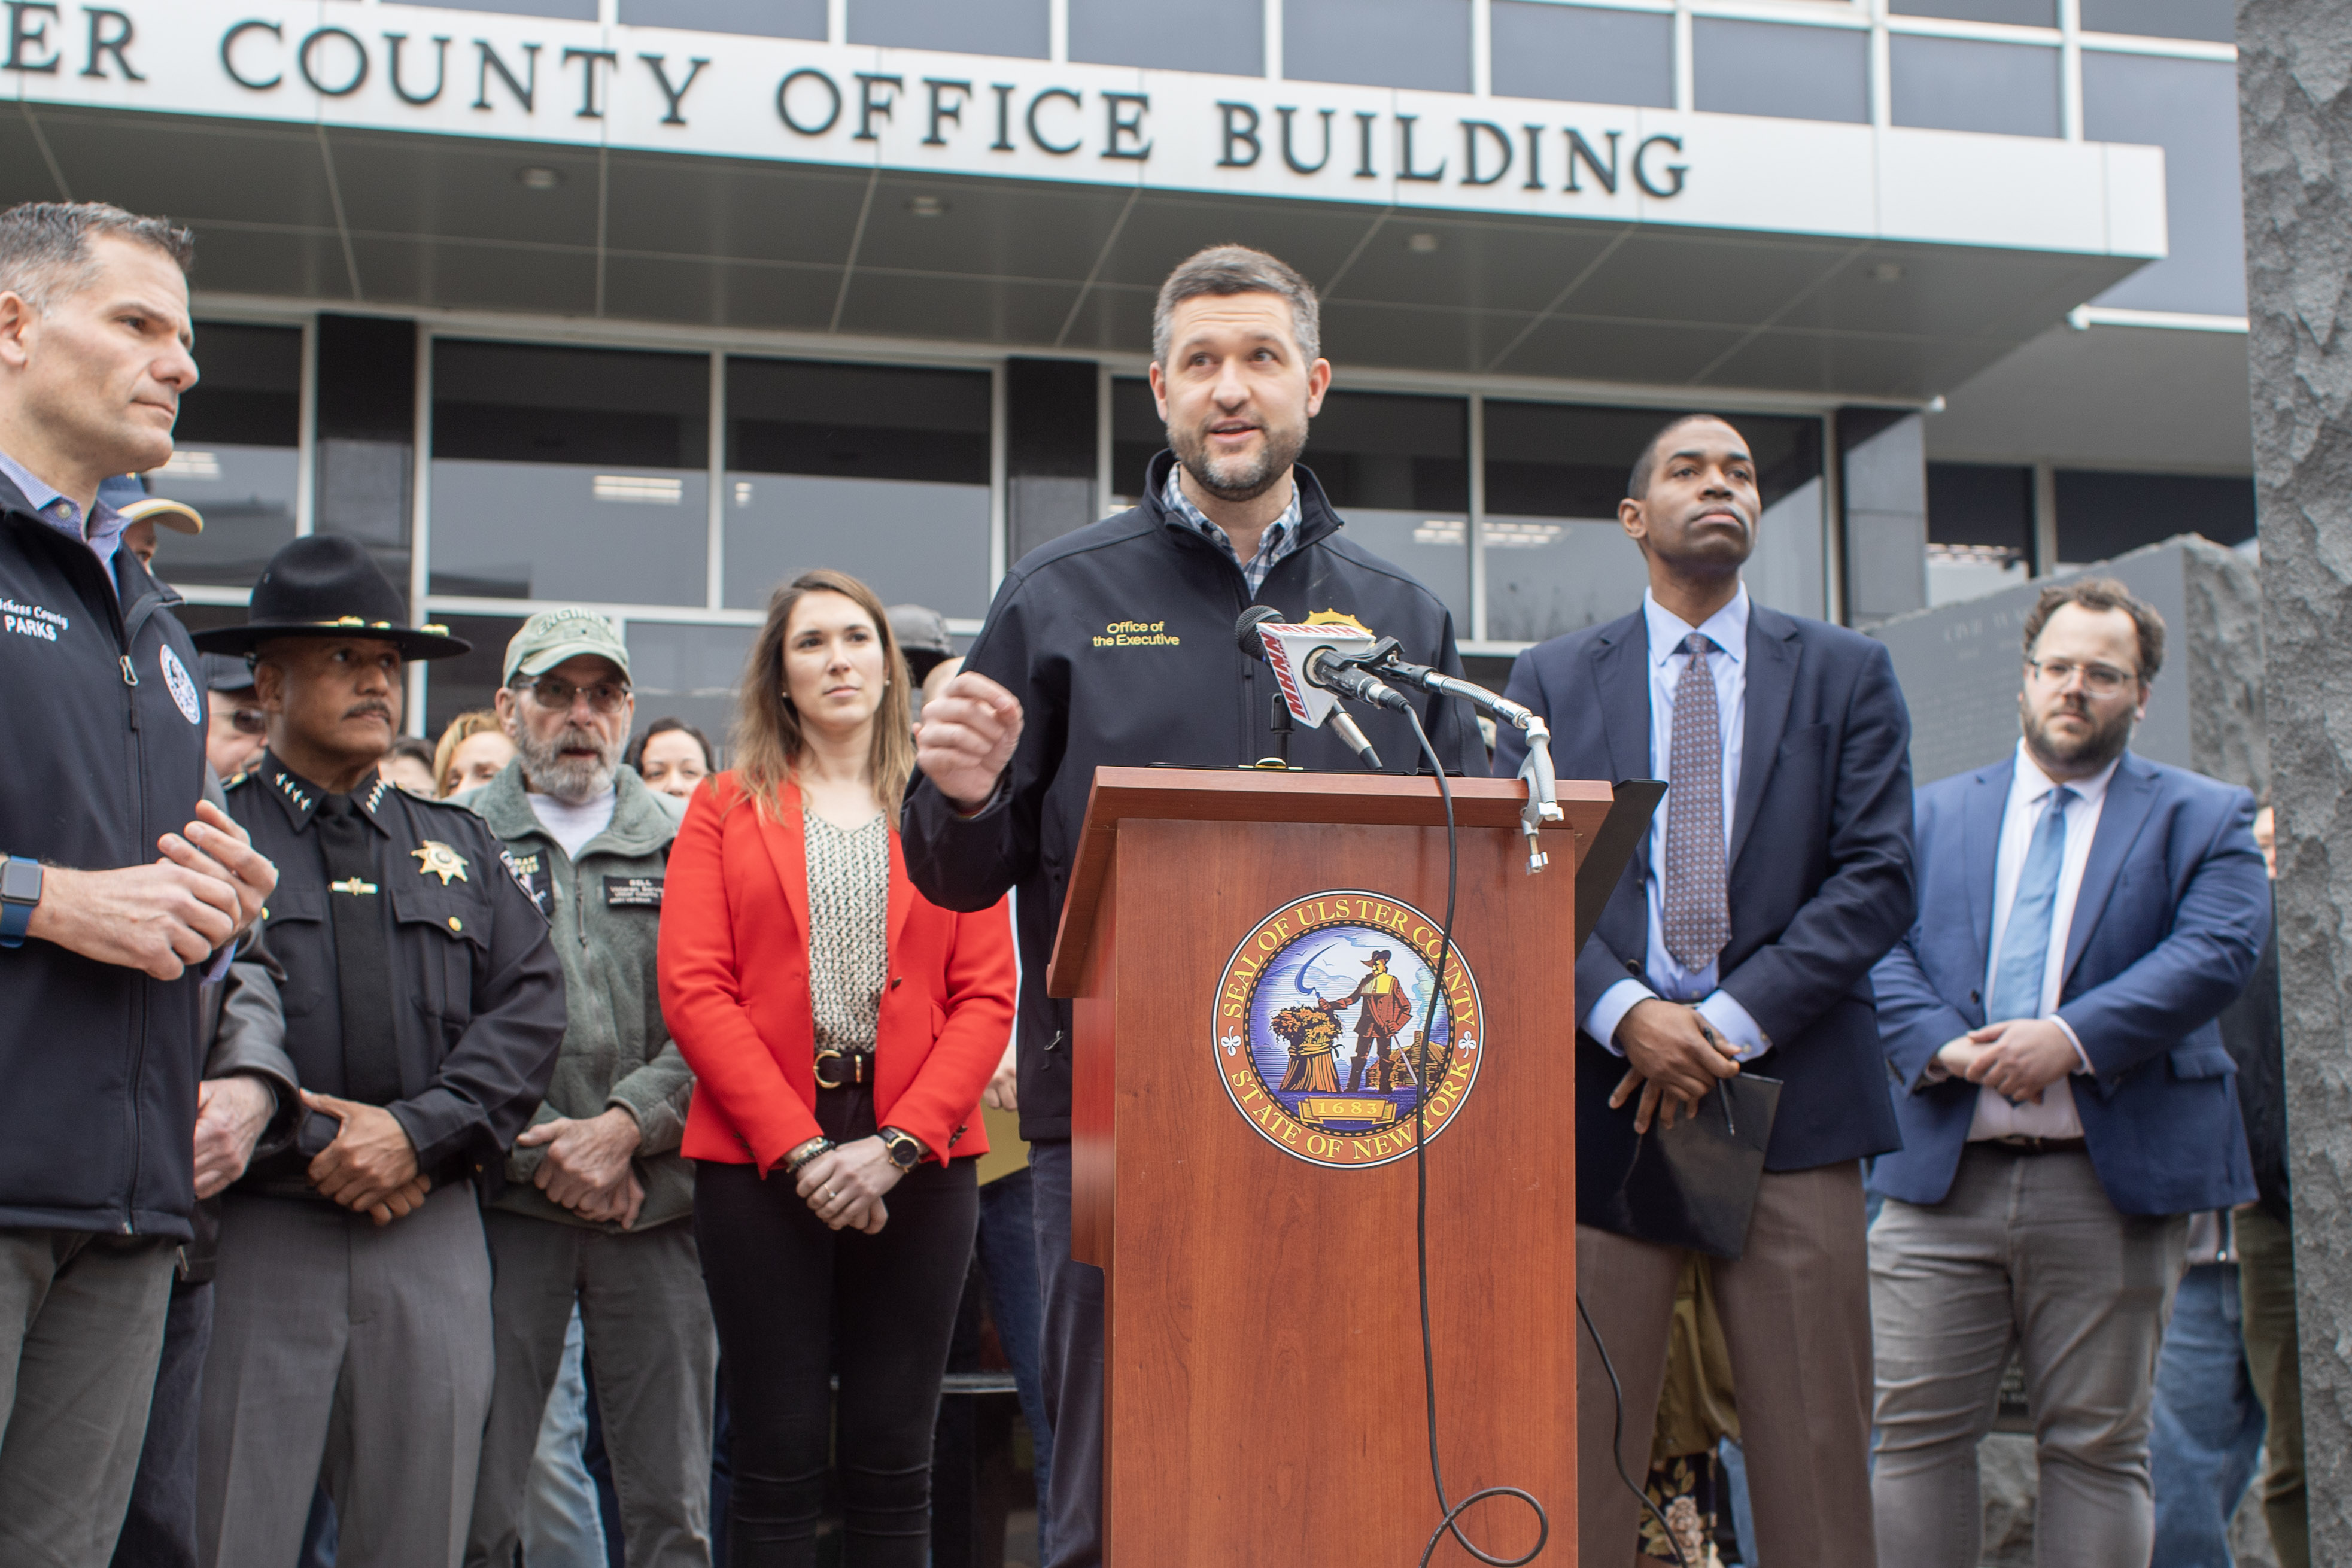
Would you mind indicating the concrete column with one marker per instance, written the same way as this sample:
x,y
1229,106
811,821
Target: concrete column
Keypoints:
x,y
2295,137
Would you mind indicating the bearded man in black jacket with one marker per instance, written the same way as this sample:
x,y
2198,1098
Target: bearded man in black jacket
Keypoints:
x,y
1114,646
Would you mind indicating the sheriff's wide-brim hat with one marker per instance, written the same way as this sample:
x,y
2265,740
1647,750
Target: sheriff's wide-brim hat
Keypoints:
x,y
326,586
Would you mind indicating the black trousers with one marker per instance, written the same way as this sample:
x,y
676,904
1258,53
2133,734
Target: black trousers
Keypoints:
x,y
160,1531
797,1304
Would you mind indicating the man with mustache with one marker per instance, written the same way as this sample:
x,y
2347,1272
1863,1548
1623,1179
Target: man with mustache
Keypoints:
x,y
423,1009
119,891
1115,646
598,1205
2066,1097
1778,871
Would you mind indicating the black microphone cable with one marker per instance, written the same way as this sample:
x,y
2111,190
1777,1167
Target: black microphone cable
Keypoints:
x,y
1450,1523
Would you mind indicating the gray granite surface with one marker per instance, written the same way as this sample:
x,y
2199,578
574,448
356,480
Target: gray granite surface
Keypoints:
x,y
2295,89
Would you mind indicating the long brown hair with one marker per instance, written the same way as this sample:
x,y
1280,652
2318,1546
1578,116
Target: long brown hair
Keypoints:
x,y
768,737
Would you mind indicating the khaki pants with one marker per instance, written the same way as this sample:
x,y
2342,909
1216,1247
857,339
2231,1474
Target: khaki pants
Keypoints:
x,y
652,1356
2266,1284
2025,1254
82,1327
1796,1320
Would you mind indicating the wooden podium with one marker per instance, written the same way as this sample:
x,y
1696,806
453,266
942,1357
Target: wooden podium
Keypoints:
x,y
1244,1168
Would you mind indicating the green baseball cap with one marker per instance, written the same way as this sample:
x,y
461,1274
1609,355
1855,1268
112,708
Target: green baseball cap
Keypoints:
x,y
550,637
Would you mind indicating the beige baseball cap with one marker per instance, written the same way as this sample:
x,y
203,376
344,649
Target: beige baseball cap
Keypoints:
x,y
550,637
176,515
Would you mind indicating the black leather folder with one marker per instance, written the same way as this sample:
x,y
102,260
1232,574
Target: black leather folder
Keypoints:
x,y
1693,1184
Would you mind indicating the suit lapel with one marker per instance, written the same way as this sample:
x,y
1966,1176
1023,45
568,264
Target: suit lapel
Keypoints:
x,y
788,852
1621,682
2131,792
1981,818
1772,655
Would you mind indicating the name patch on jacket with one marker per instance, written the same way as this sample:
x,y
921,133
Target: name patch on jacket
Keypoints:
x,y
532,873
633,892
32,620
1137,633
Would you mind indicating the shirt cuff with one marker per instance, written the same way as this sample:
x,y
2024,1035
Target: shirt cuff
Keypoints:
x,y
1620,999
2081,1055
1735,1023
997,795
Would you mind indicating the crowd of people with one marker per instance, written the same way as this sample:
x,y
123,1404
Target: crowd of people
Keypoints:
x,y
374,1104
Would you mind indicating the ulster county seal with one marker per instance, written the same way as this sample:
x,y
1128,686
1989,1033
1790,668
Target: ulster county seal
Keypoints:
x,y
1324,1037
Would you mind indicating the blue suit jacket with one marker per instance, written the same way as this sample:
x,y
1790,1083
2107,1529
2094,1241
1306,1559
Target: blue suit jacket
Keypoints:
x,y
2172,916
1820,868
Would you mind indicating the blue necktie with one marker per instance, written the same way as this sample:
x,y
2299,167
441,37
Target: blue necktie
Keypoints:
x,y
2025,945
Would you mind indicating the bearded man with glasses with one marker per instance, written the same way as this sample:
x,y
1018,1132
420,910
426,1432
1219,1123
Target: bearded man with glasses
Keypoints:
x,y
597,1207
2065,1096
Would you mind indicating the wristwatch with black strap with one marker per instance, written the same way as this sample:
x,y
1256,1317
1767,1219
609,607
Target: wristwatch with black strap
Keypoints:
x,y
20,890
906,1149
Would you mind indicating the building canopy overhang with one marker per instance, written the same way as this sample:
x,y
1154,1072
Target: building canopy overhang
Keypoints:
x,y
395,157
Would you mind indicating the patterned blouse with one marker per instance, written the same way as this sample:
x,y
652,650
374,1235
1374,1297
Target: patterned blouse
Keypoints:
x,y
849,937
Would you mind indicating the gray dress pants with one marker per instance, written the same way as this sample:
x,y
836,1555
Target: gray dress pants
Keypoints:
x,y
2025,1254
352,1353
81,1325
654,1358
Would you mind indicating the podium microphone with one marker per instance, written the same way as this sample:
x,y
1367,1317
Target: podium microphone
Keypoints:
x,y
1308,666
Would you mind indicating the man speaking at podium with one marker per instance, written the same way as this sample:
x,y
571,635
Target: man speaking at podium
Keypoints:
x,y
1114,646
1778,871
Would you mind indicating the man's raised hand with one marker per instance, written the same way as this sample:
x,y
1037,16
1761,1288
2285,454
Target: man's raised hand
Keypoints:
x,y
967,737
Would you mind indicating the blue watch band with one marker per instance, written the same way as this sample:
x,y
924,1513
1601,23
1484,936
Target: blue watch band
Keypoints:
x,y
16,917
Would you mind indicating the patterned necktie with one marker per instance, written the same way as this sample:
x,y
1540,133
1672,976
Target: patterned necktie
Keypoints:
x,y
1699,912
356,905
2025,945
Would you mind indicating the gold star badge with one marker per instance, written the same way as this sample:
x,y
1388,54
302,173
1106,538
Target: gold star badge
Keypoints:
x,y
437,859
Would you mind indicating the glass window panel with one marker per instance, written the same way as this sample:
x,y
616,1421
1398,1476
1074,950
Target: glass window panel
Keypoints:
x,y
1137,435
1379,43
2213,20
1222,35
2103,515
1979,530
460,685
366,435
689,672
1556,556
2022,13
2188,107
1397,470
246,497
234,456
967,27
569,473
879,471
770,19
1788,72
1959,84
1583,53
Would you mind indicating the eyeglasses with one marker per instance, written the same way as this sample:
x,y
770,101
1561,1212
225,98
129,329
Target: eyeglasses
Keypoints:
x,y
249,720
558,695
2098,680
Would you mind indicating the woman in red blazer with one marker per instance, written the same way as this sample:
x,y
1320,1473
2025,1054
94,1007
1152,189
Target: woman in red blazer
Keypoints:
x,y
841,1028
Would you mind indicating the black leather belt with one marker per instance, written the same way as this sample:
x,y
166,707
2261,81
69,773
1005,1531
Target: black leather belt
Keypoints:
x,y
2019,1143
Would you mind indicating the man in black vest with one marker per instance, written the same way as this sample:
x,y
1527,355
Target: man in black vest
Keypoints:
x,y
424,1011
118,887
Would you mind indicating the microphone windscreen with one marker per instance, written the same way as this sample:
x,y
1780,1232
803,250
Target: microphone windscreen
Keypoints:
x,y
1245,629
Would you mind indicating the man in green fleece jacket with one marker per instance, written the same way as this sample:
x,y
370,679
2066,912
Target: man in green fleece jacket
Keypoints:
x,y
598,1206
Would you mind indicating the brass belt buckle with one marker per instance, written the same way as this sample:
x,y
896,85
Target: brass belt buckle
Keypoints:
x,y
828,1062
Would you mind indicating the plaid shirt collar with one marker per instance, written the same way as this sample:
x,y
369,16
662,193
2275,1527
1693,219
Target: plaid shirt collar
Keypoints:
x,y
1279,540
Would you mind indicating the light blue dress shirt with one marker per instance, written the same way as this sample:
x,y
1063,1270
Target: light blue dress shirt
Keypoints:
x,y
1666,980
102,530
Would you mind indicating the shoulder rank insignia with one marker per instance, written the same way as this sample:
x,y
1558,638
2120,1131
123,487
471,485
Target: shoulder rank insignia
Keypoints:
x,y
437,859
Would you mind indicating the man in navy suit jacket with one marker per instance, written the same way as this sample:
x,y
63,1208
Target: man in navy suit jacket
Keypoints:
x,y
2085,915
1777,874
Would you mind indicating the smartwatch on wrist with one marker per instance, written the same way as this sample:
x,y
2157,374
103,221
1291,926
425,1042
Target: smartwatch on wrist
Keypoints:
x,y
906,1149
20,890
